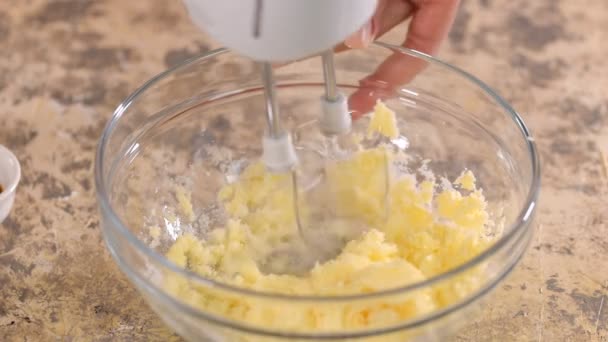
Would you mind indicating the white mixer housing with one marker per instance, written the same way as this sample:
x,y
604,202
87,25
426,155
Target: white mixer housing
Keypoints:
x,y
280,30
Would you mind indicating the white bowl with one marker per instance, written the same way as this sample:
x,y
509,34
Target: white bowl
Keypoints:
x,y
10,173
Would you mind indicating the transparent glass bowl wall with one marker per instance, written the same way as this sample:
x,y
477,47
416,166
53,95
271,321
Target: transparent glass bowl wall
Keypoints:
x,y
189,125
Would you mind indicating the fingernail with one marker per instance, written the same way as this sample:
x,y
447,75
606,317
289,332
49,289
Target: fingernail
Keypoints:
x,y
362,38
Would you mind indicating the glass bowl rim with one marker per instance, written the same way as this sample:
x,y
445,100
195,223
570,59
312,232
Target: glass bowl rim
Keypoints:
x,y
525,214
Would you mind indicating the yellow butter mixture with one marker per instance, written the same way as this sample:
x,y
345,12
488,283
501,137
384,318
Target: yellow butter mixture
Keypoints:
x,y
416,230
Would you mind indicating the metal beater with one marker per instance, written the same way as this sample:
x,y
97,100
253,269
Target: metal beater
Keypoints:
x,y
283,30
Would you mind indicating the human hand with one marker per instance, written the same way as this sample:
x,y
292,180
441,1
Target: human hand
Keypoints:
x,y
430,23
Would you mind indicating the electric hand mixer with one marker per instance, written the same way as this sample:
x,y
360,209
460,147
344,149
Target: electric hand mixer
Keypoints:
x,y
274,31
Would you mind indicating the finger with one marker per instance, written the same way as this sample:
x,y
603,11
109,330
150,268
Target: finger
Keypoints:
x,y
394,13
429,27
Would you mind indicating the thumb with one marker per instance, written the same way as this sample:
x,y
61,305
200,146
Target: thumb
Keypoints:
x,y
369,32
363,37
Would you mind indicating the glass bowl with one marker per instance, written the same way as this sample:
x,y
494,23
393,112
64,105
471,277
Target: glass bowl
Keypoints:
x,y
196,124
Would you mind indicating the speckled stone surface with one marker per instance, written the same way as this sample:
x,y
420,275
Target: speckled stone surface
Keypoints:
x,y
64,66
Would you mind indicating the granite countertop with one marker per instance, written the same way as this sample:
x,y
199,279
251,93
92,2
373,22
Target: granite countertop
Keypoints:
x,y
65,65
